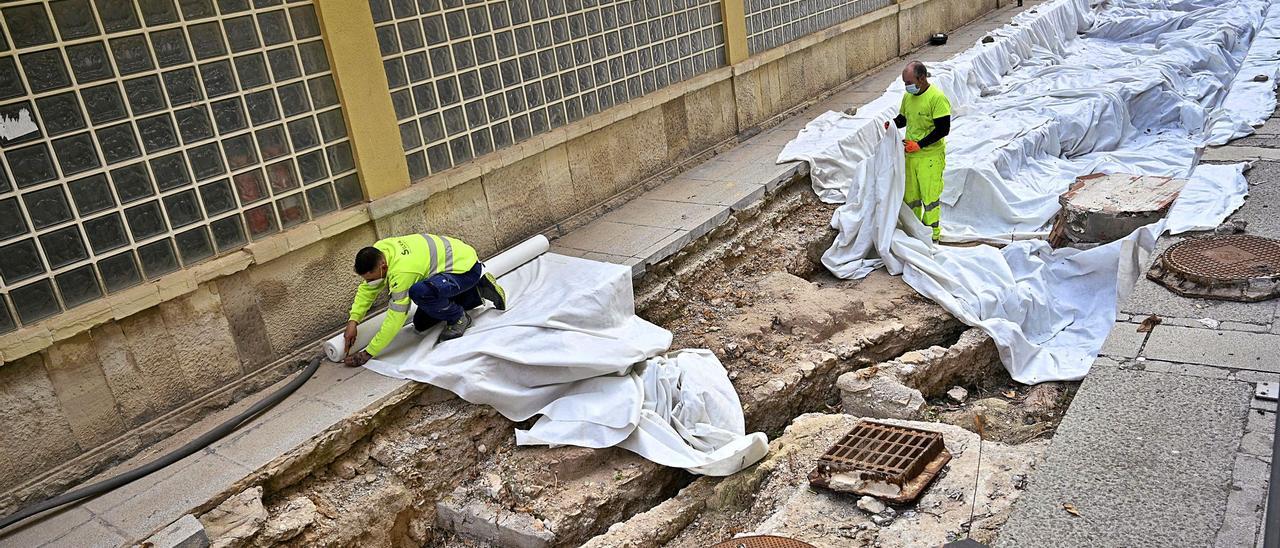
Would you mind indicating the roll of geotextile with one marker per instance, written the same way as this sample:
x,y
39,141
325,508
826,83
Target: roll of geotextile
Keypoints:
x,y
499,266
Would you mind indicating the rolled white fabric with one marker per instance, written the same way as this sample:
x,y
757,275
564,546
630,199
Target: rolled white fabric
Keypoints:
x,y
499,266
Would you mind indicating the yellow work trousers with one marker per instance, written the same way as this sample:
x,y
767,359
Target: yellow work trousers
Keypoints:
x,y
924,188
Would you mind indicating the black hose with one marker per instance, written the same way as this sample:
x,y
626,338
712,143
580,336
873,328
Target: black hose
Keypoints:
x,y
171,457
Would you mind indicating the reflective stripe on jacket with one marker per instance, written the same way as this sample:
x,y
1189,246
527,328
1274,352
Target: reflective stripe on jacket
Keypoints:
x,y
410,259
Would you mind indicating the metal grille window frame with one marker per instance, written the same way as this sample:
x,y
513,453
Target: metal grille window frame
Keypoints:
x,y
772,23
168,226
470,78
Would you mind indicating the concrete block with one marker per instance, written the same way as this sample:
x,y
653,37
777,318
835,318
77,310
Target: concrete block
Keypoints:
x,y
35,430
187,532
614,238
1124,341
1254,377
82,389
1234,349
1102,208
493,525
354,393
597,174
877,396
127,377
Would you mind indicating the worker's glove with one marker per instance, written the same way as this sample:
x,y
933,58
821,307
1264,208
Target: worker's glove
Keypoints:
x,y
910,146
358,359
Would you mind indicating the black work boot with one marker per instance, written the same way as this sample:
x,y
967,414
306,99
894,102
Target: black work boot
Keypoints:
x,y
492,292
453,330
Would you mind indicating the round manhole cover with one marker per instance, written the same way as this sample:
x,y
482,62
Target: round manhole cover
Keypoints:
x,y
1234,267
763,541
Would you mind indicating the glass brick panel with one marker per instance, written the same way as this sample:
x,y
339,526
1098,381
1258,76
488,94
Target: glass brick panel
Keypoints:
x,y
119,272
106,233
35,302
159,133
60,113
28,25
45,70
47,207
217,197
20,261
12,222
91,194
132,182
104,103
158,258
145,220
63,247
78,286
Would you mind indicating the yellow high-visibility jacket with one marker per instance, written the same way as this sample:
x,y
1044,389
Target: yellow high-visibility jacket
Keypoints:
x,y
410,259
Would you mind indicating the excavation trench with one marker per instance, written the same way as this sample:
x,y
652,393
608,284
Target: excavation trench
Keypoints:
x,y
439,471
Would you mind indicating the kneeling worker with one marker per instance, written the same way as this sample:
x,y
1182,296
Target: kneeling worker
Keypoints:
x,y
926,113
442,275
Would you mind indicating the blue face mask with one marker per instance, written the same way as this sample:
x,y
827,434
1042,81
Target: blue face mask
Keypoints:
x,y
913,89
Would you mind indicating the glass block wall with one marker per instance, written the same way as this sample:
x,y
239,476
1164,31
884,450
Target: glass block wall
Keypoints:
x,y
469,77
772,23
142,136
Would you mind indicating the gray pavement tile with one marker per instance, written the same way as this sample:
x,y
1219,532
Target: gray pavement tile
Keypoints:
x,y
665,248
1190,369
1141,456
170,498
1258,434
90,534
695,191
666,214
1234,349
358,391
1239,154
1124,341
280,432
613,238
1255,377
46,527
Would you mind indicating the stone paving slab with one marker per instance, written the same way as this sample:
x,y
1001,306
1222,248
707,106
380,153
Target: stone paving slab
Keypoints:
x,y
1146,458
1124,342
1232,349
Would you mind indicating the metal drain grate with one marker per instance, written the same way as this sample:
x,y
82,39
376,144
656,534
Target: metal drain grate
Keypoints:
x,y
763,541
892,462
1231,267
895,453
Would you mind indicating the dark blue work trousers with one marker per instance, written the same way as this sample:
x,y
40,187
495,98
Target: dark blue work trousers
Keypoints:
x,y
445,297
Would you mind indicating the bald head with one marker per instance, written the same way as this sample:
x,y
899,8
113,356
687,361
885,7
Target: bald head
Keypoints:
x,y
915,74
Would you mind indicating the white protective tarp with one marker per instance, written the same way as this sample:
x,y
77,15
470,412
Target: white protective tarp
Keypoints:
x,y
1137,86
570,348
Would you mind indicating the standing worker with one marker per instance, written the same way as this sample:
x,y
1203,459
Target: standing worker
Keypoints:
x,y
926,113
442,275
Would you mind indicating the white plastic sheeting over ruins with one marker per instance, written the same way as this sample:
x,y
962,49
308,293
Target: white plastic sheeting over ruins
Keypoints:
x,y
570,349
1068,89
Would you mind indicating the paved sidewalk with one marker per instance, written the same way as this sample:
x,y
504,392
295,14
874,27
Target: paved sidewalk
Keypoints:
x,y
1165,445
640,233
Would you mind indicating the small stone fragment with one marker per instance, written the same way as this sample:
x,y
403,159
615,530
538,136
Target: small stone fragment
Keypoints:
x,y
871,505
298,513
958,394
